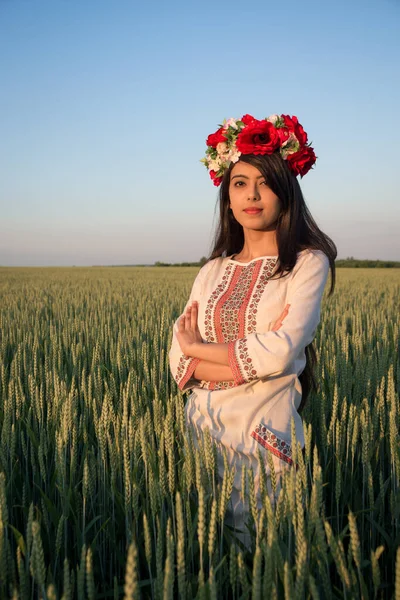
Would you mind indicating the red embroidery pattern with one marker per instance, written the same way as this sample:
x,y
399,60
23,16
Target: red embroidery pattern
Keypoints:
x,y
251,319
229,315
209,329
243,360
218,385
232,307
185,370
234,365
267,271
239,357
224,385
271,442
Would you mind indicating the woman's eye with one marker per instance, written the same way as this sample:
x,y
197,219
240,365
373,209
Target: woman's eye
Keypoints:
x,y
242,183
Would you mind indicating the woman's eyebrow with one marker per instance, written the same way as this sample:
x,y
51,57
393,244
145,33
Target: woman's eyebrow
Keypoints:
x,y
246,177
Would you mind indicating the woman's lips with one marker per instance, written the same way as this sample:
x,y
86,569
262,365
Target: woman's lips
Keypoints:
x,y
252,211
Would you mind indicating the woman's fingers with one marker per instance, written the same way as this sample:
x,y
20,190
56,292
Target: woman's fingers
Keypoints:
x,y
193,321
190,316
278,323
181,324
284,312
187,317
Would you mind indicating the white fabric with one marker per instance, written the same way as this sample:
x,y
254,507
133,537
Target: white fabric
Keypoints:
x,y
238,304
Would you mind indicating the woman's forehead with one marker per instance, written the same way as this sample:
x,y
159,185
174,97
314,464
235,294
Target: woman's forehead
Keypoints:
x,y
245,169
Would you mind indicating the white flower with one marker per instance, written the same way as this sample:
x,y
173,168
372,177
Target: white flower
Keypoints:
x,y
214,164
234,154
230,123
273,119
222,147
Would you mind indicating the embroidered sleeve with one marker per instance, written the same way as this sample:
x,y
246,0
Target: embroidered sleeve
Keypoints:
x,y
269,354
183,367
272,442
184,372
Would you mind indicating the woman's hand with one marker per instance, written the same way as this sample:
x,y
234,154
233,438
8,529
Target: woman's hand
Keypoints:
x,y
278,322
188,331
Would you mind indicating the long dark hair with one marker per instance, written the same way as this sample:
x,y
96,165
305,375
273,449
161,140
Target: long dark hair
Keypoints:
x,y
296,230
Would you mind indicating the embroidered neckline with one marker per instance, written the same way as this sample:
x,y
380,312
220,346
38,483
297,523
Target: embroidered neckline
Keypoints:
x,y
237,262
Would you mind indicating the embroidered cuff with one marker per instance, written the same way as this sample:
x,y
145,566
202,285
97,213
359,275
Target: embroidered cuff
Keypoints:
x,y
273,443
217,385
185,370
240,362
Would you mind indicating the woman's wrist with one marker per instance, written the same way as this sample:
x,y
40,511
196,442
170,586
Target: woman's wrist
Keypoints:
x,y
209,371
193,350
216,353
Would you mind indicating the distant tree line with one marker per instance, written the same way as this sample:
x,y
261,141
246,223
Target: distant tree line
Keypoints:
x,y
350,261
199,263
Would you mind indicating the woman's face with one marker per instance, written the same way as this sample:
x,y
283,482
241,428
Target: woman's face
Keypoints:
x,y
253,203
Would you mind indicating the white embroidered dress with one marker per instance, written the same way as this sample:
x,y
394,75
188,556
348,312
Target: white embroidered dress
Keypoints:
x,y
238,305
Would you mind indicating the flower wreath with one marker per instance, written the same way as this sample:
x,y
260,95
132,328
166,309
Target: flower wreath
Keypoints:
x,y
251,136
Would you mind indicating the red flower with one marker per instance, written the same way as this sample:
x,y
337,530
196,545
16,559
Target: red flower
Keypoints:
x,y
216,180
215,138
259,137
292,123
248,119
283,133
301,162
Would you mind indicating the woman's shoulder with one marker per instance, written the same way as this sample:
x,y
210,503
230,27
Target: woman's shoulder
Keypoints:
x,y
311,255
212,267
312,259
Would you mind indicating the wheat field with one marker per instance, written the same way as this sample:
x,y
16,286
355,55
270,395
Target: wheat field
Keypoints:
x,y
102,494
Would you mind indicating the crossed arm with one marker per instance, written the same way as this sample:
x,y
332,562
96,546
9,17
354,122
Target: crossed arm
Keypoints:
x,y
214,363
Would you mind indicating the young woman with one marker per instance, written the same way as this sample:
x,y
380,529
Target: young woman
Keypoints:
x,y
244,341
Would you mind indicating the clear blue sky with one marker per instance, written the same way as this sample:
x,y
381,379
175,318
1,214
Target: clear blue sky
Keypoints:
x,y
105,107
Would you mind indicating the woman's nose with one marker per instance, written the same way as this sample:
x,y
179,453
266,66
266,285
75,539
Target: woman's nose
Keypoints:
x,y
254,194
